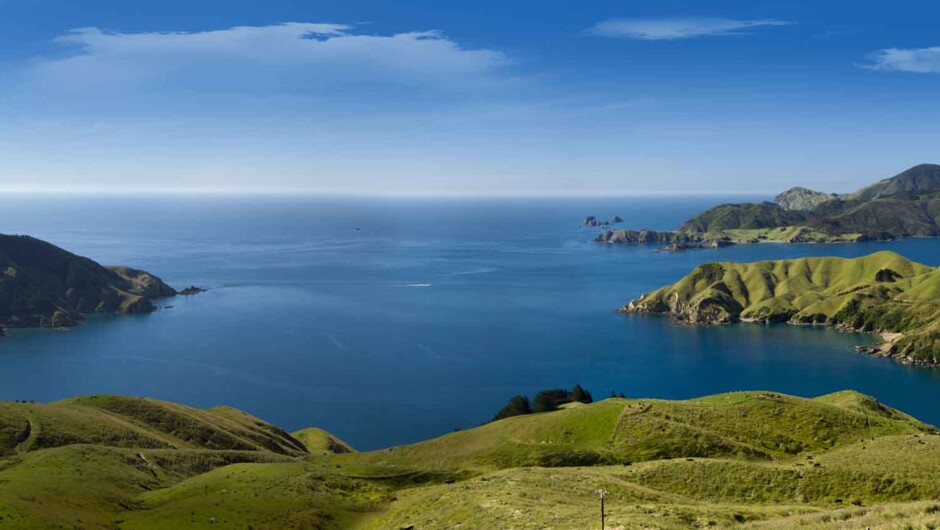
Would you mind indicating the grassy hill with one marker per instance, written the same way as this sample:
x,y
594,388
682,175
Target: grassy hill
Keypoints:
x,y
42,285
731,460
883,292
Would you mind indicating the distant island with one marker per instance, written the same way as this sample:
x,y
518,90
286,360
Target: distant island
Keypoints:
x,y
42,285
881,293
906,205
722,461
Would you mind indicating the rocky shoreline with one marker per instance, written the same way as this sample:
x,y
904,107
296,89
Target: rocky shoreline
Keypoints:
x,y
678,241
674,241
883,347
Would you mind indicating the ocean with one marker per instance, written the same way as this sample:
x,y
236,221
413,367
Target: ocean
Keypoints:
x,y
391,320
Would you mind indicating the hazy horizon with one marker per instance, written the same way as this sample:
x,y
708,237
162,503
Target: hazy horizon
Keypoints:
x,y
223,192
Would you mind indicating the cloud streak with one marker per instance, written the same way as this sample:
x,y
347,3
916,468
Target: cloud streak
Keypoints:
x,y
291,57
913,60
675,28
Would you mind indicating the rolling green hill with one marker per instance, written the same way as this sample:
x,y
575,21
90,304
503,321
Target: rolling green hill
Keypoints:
x,y
725,461
906,205
883,292
42,285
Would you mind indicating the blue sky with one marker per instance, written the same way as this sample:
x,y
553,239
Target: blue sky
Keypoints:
x,y
480,97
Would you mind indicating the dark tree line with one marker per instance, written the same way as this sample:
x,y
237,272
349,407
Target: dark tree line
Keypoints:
x,y
544,401
517,406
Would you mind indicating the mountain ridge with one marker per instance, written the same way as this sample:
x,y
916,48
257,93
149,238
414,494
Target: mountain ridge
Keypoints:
x,y
905,205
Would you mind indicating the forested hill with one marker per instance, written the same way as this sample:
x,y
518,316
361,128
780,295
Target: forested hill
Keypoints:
x,y
905,205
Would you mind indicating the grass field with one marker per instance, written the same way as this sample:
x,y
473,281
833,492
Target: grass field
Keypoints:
x,y
783,234
749,459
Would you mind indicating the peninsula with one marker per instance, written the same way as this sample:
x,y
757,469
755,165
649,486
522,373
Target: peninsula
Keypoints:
x,y
42,285
881,293
906,205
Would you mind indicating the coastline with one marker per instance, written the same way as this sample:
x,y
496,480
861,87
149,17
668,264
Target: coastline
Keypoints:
x,y
678,241
883,346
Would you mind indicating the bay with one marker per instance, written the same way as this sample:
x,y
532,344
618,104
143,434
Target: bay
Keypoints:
x,y
390,320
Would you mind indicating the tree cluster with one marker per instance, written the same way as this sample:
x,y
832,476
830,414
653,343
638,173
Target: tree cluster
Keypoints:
x,y
544,401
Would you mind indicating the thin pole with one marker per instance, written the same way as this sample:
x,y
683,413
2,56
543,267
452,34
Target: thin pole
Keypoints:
x,y
602,493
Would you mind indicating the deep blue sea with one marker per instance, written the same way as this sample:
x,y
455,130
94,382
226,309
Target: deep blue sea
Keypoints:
x,y
387,321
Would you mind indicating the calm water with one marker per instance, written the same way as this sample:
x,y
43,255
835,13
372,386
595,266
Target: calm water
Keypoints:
x,y
425,319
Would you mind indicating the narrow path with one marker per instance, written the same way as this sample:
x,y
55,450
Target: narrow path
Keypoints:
x,y
32,433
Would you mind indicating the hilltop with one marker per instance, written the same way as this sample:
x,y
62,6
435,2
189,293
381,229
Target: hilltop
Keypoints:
x,y
42,285
882,292
724,461
803,199
905,205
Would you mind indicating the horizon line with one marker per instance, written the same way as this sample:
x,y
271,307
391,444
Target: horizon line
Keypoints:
x,y
307,192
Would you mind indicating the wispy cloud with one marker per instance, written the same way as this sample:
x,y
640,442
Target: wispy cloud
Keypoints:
x,y
293,57
673,28
915,60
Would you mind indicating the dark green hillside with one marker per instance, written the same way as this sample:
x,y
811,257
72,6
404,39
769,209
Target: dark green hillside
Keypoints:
x,y
744,216
723,461
42,285
906,205
898,216
918,179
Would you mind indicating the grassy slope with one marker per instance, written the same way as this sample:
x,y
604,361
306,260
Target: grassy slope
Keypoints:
x,y
784,234
836,291
661,490
84,461
112,462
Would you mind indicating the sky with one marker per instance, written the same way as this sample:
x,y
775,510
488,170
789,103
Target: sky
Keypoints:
x,y
464,98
